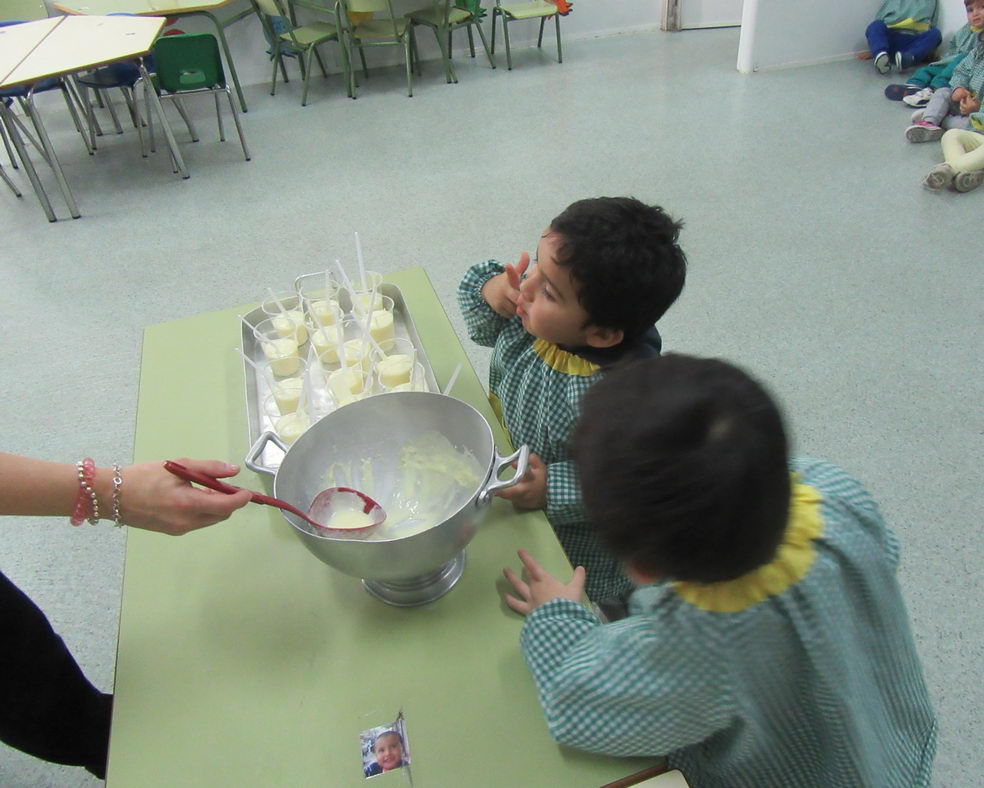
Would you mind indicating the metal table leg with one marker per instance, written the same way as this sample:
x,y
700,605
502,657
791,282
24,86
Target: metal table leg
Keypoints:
x,y
49,151
6,115
168,134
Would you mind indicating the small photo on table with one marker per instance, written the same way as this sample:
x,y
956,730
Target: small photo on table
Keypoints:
x,y
385,748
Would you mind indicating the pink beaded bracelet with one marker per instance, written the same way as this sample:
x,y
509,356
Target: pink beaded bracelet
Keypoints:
x,y
86,505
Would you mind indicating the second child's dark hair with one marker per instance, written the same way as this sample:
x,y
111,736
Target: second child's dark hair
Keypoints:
x,y
624,257
684,468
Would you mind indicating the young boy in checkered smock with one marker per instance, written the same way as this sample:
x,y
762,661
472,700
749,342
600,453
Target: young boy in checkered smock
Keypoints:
x,y
606,270
768,645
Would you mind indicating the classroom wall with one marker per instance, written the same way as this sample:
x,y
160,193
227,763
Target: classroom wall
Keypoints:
x,y
785,33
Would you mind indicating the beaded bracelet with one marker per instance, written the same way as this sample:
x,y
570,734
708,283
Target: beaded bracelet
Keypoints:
x,y
86,506
117,494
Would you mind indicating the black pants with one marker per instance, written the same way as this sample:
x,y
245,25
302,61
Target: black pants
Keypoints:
x,y
48,708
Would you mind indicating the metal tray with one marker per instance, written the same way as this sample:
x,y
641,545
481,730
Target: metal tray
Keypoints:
x,y
258,392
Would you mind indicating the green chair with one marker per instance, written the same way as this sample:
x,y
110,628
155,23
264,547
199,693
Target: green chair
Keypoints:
x,y
535,9
444,17
288,38
189,65
387,31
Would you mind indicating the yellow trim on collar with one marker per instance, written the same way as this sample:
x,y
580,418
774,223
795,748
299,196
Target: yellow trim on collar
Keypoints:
x,y
793,560
563,361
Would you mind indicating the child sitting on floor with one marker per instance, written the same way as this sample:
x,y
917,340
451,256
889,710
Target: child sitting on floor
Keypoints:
x,y
954,107
920,86
903,34
606,270
768,645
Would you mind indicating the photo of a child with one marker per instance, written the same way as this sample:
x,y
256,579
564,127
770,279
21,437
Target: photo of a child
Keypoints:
x,y
384,748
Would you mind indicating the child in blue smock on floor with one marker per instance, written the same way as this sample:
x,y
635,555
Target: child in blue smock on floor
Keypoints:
x,y
956,107
768,644
902,34
924,82
605,271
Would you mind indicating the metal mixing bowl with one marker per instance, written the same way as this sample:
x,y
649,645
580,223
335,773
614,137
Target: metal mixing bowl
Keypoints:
x,y
410,570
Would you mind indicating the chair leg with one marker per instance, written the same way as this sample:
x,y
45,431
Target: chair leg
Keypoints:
x,y
6,144
321,63
70,102
218,117
90,115
113,115
154,106
494,15
471,39
362,55
179,106
560,52
481,34
307,76
273,82
235,119
505,35
449,75
408,46
10,183
539,38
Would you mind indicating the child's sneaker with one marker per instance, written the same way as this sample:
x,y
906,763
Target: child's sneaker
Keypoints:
x,y
898,92
938,178
920,98
923,131
882,64
967,181
902,62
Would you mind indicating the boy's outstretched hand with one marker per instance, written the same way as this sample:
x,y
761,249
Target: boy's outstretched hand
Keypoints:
x,y
501,292
531,491
540,586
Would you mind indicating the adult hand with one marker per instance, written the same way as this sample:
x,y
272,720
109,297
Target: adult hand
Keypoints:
x,y
540,586
155,500
531,491
501,292
969,104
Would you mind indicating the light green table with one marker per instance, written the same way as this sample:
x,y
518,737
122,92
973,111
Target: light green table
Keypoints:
x,y
244,661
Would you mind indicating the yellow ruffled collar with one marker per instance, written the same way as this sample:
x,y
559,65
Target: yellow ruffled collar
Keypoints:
x,y
793,560
562,360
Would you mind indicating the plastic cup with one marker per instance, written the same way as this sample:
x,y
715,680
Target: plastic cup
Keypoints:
x,y
361,300
396,367
346,385
288,393
287,313
312,286
281,352
382,327
322,312
325,341
358,349
417,382
291,426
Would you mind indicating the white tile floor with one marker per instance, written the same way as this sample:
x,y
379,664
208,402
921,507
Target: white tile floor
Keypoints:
x,y
817,261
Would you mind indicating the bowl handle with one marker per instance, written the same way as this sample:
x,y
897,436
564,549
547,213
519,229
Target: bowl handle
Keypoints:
x,y
256,450
522,460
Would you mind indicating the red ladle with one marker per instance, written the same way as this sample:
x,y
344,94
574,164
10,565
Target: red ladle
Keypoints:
x,y
322,507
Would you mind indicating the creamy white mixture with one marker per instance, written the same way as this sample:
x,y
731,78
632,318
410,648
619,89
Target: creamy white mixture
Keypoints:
x,y
431,481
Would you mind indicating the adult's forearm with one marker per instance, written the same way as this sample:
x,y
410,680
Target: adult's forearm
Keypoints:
x,y
37,487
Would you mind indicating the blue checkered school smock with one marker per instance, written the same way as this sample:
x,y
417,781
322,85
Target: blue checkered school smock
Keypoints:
x,y
802,673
